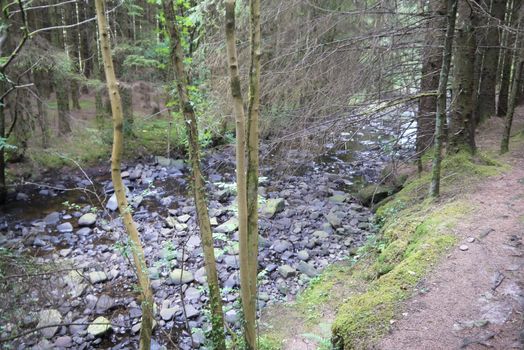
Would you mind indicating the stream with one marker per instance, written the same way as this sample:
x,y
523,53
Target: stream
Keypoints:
x,y
309,220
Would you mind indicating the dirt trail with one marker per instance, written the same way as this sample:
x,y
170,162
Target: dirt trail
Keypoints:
x,y
475,296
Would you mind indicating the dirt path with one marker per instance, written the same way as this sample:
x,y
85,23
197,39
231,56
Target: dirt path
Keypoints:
x,y
475,297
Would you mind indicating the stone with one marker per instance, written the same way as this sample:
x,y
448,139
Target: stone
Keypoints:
x,y
322,235
232,261
66,227
99,326
303,255
22,197
463,247
112,203
191,311
231,316
64,342
178,276
104,303
337,198
307,269
168,313
281,246
46,318
273,206
334,220
471,239
373,194
52,218
229,226
184,218
97,276
287,271
84,231
87,219
200,275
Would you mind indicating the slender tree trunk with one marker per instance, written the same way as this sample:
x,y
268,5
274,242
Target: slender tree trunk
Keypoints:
x,y
431,66
505,80
3,187
462,123
238,108
126,91
441,97
116,176
252,157
62,102
488,77
518,62
182,80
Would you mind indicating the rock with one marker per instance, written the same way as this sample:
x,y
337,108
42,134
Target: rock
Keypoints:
x,y
337,198
463,247
307,269
178,276
64,342
231,316
52,218
373,194
66,227
471,239
46,318
87,219
97,276
104,303
99,326
273,206
263,296
112,203
321,235
232,281
200,275
303,255
334,220
287,271
232,261
22,197
74,329
168,313
84,231
168,162
281,246
183,218
38,242
228,227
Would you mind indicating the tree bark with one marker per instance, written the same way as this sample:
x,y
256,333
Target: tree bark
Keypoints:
x,y
505,80
462,123
206,234
441,97
238,108
116,176
431,66
252,157
518,62
488,74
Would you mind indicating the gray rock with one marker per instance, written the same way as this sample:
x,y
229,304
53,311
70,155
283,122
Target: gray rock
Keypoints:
x,y
87,219
112,203
22,197
64,342
191,311
84,231
334,220
183,218
303,255
46,318
273,206
232,281
232,261
99,326
66,227
97,276
337,198
287,271
307,269
231,316
281,246
321,235
105,302
52,218
200,275
228,227
38,242
168,313
178,276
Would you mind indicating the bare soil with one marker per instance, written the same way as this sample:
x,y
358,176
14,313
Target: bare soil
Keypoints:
x,y
474,299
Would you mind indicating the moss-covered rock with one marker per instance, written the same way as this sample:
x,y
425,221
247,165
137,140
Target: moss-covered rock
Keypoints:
x,y
372,194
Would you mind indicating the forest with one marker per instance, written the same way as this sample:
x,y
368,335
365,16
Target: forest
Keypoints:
x,y
246,174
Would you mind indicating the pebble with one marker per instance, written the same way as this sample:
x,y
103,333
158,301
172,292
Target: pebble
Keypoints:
x,y
463,247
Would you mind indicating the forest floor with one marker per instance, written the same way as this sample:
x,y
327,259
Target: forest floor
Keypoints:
x,y
474,297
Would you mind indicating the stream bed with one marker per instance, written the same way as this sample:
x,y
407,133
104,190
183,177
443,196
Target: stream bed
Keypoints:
x,y
309,220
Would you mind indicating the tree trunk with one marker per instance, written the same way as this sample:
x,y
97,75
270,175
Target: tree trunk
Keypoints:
x,y
252,158
127,103
431,65
238,108
3,187
62,102
116,176
441,97
488,74
206,234
462,124
518,62
505,80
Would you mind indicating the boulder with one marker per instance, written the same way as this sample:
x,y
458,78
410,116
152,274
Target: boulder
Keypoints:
x,y
99,326
229,226
87,219
178,276
66,227
373,194
47,318
287,271
273,206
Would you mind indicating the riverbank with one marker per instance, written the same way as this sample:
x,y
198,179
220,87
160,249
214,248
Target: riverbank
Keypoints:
x,y
355,304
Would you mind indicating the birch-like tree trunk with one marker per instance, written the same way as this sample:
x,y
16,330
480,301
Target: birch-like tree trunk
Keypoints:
x,y
204,224
441,98
116,176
